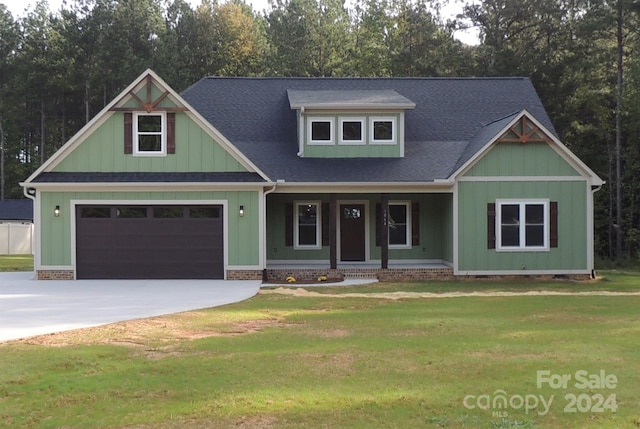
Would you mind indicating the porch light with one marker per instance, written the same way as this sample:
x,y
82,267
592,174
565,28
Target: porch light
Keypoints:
x,y
56,211
241,211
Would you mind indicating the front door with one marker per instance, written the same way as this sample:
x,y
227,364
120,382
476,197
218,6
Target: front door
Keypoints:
x,y
352,232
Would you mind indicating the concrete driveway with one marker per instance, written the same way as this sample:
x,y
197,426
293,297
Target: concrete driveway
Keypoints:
x,y
30,307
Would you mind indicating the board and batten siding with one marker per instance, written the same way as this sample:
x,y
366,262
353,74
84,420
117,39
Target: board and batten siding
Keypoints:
x,y
243,237
103,151
571,253
518,159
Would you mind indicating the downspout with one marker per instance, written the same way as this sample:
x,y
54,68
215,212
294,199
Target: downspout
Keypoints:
x,y
594,189
265,276
31,194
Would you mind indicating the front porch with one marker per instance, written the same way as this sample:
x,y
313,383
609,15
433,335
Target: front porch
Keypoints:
x,y
396,271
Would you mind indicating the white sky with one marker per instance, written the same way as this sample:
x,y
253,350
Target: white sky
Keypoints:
x,y
18,7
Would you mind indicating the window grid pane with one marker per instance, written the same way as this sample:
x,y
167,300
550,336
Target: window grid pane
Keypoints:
x,y
321,130
383,130
307,224
522,225
398,224
352,130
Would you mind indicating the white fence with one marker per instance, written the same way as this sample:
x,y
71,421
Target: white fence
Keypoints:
x,y
16,238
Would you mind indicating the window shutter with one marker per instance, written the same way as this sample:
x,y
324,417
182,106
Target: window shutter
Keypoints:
x,y
553,224
326,229
378,223
171,132
415,224
491,225
128,132
288,224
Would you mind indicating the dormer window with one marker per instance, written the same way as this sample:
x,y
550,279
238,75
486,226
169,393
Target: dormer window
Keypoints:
x,y
383,130
149,134
352,131
321,131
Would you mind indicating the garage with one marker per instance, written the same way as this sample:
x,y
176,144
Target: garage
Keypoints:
x,y
149,242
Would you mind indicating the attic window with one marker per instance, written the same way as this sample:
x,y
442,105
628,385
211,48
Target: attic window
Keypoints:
x,y
149,134
321,131
352,131
383,130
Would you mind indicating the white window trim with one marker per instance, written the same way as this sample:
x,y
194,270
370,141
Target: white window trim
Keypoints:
x,y
522,227
362,140
407,244
163,135
394,131
296,225
332,139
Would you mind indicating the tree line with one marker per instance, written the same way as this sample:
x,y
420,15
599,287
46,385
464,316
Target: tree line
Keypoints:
x,y
59,68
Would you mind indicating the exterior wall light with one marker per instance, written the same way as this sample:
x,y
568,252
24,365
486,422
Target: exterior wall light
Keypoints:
x,y
241,211
56,211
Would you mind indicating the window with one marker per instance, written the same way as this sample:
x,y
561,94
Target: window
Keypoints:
x,y
149,134
321,131
383,130
307,225
522,225
399,228
351,131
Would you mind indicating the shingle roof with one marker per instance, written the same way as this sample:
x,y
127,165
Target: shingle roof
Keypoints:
x,y
348,99
16,209
450,122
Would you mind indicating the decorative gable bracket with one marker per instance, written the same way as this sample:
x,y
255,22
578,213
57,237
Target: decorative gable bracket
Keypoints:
x,y
524,131
149,105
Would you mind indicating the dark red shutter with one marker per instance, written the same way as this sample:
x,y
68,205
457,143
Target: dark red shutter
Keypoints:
x,y
415,224
128,132
491,225
553,224
326,228
288,224
171,132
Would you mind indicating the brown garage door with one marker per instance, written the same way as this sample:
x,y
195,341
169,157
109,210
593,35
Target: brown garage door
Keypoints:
x,y
149,242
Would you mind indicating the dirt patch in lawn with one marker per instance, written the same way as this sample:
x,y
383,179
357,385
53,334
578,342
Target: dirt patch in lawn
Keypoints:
x,y
156,331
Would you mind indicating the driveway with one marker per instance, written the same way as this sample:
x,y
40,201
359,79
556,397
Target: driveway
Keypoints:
x,y
33,307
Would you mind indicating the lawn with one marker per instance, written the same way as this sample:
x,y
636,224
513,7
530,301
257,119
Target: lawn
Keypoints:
x,y
16,263
283,361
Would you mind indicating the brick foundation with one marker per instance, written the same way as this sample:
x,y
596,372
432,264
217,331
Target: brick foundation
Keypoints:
x,y
392,274
244,274
55,274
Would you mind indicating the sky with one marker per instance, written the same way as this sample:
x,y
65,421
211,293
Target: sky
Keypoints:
x,y
18,7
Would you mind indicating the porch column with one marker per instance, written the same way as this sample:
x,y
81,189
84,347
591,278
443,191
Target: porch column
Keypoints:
x,y
384,231
333,239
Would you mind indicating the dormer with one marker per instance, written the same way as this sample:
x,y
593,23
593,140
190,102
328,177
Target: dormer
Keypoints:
x,y
350,124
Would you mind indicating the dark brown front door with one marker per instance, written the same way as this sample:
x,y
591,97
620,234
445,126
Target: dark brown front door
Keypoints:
x,y
352,232
149,242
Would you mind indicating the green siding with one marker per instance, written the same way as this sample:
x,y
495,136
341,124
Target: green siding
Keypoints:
x,y
337,150
103,151
243,232
518,159
571,253
436,228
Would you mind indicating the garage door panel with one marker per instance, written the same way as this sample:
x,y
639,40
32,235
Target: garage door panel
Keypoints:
x,y
147,247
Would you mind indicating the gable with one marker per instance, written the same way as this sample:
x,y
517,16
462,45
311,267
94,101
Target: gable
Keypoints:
x,y
518,159
519,145
168,136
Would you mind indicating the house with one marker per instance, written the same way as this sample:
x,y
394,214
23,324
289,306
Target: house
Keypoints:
x,y
245,178
16,227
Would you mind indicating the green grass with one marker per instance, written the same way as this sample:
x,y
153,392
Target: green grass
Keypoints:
x,y
278,361
16,263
